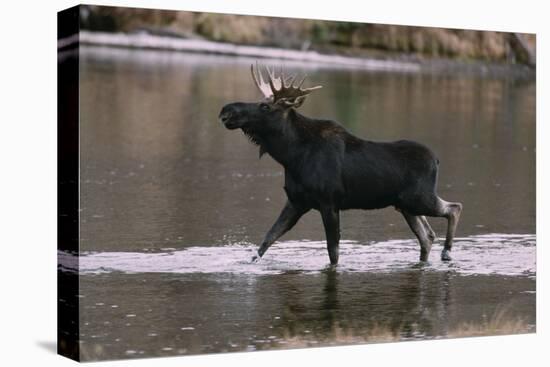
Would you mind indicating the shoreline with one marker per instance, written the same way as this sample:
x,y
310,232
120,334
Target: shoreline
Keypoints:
x,y
396,63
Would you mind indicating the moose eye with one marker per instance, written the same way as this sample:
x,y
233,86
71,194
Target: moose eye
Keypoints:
x,y
264,107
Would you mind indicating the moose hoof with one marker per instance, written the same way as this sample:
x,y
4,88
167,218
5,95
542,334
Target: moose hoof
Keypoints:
x,y
445,255
424,254
256,258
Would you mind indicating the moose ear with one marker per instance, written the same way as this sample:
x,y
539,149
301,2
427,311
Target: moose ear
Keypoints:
x,y
291,102
298,101
262,151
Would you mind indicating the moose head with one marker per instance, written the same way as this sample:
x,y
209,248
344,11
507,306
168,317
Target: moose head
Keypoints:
x,y
280,93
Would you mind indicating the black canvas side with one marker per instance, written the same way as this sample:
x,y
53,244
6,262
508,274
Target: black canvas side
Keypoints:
x,y
68,181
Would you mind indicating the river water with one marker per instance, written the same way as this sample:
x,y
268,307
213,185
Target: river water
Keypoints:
x,y
173,205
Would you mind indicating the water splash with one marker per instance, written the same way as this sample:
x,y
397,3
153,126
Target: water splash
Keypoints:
x,y
505,254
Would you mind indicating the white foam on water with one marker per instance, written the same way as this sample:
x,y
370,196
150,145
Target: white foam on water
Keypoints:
x,y
505,254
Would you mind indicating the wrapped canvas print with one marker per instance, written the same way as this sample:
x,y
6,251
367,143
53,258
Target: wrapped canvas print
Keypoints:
x,y
211,198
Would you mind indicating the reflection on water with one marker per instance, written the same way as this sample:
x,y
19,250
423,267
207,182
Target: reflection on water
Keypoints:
x,y
157,314
172,203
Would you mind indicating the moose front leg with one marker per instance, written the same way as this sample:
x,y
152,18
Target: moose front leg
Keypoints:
x,y
287,219
331,221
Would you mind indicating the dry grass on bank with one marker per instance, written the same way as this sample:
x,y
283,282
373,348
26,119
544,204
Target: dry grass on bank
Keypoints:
x,y
317,34
499,324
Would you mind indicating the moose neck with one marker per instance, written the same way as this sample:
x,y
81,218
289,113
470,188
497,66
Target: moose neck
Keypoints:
x,y
281,143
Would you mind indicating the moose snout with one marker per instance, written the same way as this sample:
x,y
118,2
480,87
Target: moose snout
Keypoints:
x,y
224,117
229,116
226,113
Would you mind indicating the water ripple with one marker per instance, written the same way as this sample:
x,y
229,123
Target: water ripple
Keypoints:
x,y
505,254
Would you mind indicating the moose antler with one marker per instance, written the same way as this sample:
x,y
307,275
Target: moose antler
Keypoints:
x,y
281,89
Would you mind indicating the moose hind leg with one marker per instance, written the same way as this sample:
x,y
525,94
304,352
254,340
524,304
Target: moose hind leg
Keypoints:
x,y
451,211
432,205
416,224
431,234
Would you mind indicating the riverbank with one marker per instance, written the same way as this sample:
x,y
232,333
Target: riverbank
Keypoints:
x,y
331,56
324,36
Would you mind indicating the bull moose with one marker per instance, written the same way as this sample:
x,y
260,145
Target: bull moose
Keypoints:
x,y
329,169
